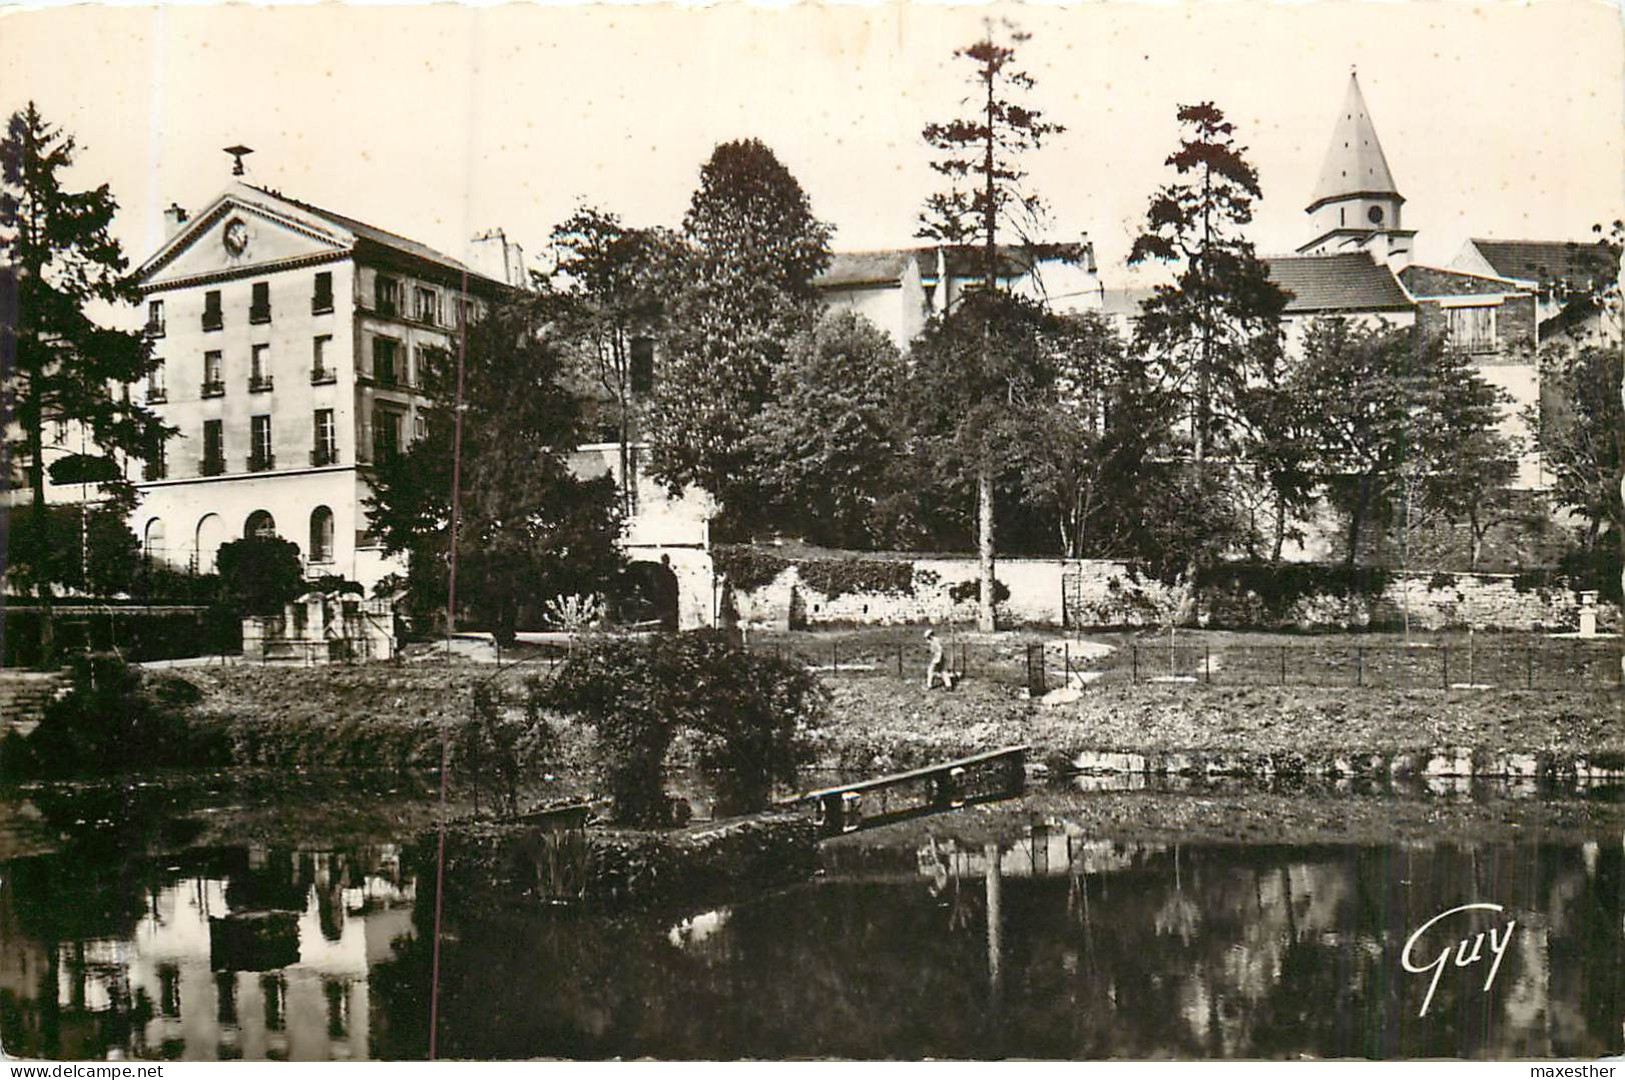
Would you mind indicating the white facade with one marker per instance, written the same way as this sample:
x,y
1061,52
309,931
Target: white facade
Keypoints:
x,y
290,341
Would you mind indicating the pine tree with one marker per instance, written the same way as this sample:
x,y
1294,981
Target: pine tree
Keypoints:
x,y
980,154
66,369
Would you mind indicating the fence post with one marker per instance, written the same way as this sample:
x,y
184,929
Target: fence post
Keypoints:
x,y
1444,652
1528,667
1135,676
1066,658
899,661
1359,665
1207,663
835,657
1283,665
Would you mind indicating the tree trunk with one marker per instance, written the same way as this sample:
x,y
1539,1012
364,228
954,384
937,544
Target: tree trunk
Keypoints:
x,y
42,555
1356,513
1280,530
986,615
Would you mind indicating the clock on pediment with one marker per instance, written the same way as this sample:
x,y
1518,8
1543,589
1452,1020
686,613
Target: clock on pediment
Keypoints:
x,y
235,237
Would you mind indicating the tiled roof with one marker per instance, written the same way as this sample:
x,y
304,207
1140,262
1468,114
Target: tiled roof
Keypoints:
x,y
885,267
1349,282
373,234
1574,263
850,268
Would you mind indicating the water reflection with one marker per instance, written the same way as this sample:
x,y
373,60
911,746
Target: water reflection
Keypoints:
x,y
1054,943
242,953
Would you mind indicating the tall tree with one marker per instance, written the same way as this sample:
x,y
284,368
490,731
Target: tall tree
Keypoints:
x,y
1215,331
66,370
1388,410
980,154
830,441
1581,435
529,529
611,273
743,287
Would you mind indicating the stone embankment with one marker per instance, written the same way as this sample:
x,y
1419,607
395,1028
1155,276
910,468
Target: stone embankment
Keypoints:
x,y
1459,761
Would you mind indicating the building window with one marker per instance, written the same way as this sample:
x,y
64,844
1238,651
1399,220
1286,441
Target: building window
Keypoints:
x,y
386,434
156,395
259,372
319,371
321,535
386,295
465,312
428,306
259,308
321,302
643,365
214,383
260,524
155,467
420,427
214,448
155,318
325,450
383,360
1472,328
260,457
152,545
212,317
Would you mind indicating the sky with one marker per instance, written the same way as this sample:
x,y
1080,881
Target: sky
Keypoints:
x,y
1498,118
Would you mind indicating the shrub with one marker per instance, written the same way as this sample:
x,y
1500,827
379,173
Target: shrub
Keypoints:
x,y
260,573
111,718
969,590
748,714
497,749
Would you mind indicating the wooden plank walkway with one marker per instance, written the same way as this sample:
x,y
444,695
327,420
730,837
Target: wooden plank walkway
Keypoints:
x,y
844,808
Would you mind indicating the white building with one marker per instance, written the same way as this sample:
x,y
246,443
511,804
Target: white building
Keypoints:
x,y
291,339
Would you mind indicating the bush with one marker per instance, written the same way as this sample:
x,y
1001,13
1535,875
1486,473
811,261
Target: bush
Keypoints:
x,y
498,749
259,574
112,719
748,714
969,590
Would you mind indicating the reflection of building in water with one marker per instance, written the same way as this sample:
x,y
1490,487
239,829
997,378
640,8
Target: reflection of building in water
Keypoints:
x,y
184,996
1050,850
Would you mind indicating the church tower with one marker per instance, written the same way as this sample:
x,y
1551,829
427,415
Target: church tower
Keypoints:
x,y
1356,205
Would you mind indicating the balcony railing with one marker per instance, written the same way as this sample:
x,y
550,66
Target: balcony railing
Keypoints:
x,y
214,388
258,384
213,466
157,395
261,462
321,376
259,313
325,455
213,320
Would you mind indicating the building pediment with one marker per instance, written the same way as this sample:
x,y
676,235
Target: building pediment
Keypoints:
x,y
238,236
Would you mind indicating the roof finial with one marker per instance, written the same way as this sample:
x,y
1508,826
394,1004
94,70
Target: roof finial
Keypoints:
x,y
238,153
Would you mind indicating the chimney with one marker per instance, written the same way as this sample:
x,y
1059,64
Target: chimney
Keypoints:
x,y
174,218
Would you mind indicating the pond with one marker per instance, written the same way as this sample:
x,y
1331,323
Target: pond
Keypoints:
x,y
1048,940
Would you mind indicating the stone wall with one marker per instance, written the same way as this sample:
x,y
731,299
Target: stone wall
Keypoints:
x,y
938,590
1103,594
24,696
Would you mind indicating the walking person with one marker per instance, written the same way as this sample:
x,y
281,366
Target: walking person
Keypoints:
x,y
936,665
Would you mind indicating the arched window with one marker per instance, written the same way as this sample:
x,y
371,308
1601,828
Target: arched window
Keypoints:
x,y
260,523
152,542
321,535
210,534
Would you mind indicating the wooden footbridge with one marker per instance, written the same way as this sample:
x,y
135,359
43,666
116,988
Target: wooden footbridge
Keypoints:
x,y
985,777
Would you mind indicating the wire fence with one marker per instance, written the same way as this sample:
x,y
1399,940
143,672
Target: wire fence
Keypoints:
x,y
1042,666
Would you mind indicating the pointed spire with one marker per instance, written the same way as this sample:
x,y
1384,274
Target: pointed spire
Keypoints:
x,y
1354,163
